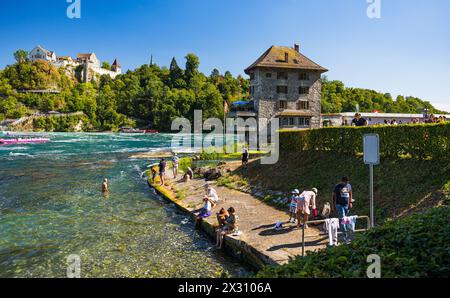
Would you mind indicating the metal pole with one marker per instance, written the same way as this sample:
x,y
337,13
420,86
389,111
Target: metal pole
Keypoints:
x,y
303,240
372,224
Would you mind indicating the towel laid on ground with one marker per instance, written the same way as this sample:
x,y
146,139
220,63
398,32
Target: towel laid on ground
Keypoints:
x,y
332,226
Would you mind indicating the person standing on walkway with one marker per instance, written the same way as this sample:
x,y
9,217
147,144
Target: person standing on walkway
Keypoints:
x,y
307,201
342,197
342,202
293,205
154,173
162,170
244,156
175,162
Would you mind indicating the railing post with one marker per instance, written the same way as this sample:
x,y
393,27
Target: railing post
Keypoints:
x,y
303,240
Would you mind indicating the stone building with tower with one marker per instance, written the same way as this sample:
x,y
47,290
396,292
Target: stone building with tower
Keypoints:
x,y
285,84
88,64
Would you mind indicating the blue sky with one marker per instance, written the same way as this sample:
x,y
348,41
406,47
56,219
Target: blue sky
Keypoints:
x,y
407,51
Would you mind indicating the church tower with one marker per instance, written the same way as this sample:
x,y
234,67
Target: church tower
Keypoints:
x,y
116,67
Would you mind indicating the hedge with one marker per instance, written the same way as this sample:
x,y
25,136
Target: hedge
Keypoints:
x,y
419,141
414,246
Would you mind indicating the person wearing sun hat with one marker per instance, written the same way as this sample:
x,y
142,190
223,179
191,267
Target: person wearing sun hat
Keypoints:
x,y
293,205
307,200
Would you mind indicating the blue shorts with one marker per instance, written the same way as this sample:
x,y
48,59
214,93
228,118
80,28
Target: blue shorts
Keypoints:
x,y
204,213
342,211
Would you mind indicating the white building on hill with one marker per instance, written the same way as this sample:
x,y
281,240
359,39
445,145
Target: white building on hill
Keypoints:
x,y
92,67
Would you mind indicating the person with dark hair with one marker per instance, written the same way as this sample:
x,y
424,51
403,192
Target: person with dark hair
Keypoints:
x,y
342,197
343,202
229,228
244,156
175,162
204,212
359,120
222,216
162,170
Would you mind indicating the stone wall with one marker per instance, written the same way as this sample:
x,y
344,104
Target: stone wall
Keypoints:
x,y
266,97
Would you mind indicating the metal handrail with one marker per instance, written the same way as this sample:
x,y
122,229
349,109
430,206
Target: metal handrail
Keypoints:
x,y
324,220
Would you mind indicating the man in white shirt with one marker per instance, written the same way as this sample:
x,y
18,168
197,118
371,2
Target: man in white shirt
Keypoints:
x,y
211,193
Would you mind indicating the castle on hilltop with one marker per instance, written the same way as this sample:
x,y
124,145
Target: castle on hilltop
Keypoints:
x,y
88,63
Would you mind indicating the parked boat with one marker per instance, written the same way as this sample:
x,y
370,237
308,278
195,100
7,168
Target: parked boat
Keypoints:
x,y
131,130
151,131
23,141
135,130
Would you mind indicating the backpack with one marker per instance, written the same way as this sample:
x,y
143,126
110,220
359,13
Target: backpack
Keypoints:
x,y
326,211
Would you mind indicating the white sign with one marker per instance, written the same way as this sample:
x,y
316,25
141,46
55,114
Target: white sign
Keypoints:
x,y
371,149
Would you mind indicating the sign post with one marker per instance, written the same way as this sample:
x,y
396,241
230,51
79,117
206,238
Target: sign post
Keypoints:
x,y
371,158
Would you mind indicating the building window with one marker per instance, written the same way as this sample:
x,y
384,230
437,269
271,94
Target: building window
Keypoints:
x,y
303,90
303,76
282,89
282,104
282,75
291,121
252,76
303,105
303,121
284,121
268,75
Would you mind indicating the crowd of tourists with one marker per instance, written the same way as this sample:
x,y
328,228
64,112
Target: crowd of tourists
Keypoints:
x,y
302,209
226,218
302,206
359,120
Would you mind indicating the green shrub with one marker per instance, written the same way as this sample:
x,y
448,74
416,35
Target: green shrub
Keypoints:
x,y
59,123
416,141
184,163
414,246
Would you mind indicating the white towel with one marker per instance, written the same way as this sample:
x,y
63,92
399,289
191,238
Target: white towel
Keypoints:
x,y
350,222
332,226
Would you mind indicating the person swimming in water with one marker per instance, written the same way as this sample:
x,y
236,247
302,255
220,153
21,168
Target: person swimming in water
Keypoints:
x,y
105,185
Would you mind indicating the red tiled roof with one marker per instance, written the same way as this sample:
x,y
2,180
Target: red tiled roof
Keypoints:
x,y
275,56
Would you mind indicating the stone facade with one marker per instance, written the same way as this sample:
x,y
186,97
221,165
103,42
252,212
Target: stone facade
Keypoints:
x,y
286,85
269,103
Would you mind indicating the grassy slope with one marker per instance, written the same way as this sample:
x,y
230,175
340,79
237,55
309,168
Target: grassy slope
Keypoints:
x,y
401,186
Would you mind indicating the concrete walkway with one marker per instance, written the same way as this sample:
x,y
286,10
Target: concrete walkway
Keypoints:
x,y
256,220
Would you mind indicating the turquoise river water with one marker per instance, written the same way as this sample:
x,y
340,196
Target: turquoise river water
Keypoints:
x,y
51,206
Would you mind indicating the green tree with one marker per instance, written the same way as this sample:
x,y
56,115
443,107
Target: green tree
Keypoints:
x,y
21,56
106,65
176,75
192,64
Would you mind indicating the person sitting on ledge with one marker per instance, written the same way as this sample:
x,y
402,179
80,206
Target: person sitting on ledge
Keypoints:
x,y
211,193
222,216
205,211
188,175
230,227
